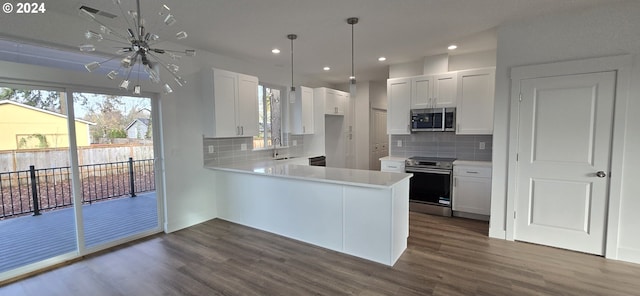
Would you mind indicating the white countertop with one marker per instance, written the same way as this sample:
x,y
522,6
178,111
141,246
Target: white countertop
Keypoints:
x,y
284,169
473,163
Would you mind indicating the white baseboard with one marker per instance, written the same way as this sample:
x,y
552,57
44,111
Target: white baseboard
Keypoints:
x,y
629,255
497,233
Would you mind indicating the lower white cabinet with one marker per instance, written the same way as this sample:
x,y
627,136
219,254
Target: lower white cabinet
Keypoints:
x,y
472,189
392,165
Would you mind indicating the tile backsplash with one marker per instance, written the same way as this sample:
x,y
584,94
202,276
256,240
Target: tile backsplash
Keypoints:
x,y
442,144
230,150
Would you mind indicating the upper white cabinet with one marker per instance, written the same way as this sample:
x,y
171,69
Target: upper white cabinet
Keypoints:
x,y
434,91
302,112
398,107
445,90
335,101
475,102
230,104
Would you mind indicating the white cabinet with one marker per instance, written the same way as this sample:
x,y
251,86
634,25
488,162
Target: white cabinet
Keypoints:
x,y
472,189
435,91
302,112
475,102
392,165
445,90
421,92
398,106
230,104
334,101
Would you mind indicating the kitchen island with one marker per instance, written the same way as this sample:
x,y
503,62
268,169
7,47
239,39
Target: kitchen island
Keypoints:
x,y
357,212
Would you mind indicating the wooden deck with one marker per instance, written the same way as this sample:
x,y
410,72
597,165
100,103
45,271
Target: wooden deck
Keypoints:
x,y
30,239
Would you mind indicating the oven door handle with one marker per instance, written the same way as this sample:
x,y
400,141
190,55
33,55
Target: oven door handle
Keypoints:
x,y
431,171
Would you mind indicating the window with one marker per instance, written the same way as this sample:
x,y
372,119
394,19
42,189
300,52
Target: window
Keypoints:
x,y
269,117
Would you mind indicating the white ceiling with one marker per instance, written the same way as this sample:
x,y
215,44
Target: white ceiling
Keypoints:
x,y
400,30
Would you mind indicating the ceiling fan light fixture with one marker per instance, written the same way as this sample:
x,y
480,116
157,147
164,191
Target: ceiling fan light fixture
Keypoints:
x,y
136,46
91,35
112,75
170,20
181,35
124,84
167,89
92,66
87,48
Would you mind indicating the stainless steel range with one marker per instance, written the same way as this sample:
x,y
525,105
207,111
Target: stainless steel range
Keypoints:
x,y
431,185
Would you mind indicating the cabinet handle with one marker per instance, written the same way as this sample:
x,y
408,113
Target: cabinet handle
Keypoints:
x,y
237,130
242,130
471,172
336,108
303,129
392,167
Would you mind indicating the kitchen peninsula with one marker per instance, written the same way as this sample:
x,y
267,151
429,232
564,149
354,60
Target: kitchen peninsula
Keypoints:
x,y
357,212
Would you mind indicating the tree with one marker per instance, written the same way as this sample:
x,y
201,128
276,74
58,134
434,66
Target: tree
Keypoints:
x,y
42,99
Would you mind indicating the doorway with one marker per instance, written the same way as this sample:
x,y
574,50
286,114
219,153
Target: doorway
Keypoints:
x,y
379,138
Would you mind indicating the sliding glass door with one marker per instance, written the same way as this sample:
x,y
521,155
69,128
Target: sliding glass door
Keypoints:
x,y
116,168
37,219
77,174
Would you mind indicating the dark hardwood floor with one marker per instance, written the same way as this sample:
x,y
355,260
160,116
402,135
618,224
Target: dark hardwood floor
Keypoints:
x,y
445,256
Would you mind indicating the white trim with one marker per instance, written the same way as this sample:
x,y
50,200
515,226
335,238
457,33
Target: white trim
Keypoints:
x,y
629,255
42,110
622,66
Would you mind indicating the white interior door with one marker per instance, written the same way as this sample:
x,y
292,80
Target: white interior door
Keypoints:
x,y
564,159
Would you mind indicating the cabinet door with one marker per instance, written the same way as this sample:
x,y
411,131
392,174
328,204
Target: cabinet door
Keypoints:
x,y
422,92
334,102
247,105
302,112
307,109
472,195
399,101
225,91
475,102
445,90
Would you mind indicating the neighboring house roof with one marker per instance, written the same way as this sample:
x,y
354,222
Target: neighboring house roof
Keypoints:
x,y
5,102
144,121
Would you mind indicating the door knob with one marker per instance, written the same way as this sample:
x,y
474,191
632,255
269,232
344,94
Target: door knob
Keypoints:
x,y
601,174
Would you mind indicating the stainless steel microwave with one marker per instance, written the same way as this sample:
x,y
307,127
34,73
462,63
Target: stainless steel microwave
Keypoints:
x,y
433,120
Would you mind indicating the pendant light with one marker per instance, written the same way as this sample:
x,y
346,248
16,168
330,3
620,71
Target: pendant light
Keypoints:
x,y
292,91
352,79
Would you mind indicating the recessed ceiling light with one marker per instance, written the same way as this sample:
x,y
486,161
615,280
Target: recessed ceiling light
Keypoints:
x,y
275,51
382,59
326,68
452,47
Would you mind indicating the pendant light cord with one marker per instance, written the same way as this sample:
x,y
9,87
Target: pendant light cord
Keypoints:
x,y
292,37
353,74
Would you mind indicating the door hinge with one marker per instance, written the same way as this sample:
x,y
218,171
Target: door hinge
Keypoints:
x,y
514,215
517,157
520,97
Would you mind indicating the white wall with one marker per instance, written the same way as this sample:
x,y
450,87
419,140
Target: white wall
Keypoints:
x,y
413,68
474,60
608,30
